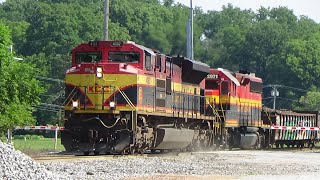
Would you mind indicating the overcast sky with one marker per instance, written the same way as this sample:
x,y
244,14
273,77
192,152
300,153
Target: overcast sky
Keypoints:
x,y
309,8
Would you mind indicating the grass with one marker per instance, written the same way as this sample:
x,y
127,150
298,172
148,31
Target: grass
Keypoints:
x,y
43,144
35,146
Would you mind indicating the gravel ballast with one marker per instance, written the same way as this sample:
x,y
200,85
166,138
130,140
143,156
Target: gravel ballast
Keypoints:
x,y
227,164
16,165
209,165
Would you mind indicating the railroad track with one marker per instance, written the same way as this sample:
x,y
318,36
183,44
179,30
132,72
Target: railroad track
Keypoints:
x,y
77,157
53,158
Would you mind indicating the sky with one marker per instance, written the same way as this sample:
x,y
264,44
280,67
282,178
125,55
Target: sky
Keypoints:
x,y
308,8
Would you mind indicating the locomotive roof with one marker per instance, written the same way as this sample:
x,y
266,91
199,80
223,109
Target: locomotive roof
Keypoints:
x,y
195,65
192,71
250,76
230,76
150,51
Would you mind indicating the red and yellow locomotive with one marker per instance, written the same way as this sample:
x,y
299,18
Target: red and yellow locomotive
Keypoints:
x,y
237,98
123,97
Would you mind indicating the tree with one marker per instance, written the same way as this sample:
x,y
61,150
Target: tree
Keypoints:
x,y
303,58
19,91
311,101
225,35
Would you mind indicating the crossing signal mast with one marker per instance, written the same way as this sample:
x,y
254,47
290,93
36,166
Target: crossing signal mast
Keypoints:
x,y
274,94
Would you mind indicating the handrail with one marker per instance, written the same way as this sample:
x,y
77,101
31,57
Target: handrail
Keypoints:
x,y
223,114
126,98
214,110
69,97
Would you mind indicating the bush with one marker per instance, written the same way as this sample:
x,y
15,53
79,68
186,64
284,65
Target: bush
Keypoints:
x,y
28,136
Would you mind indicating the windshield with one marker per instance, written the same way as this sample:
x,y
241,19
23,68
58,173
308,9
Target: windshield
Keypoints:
x,y
88,57
124,56
211,85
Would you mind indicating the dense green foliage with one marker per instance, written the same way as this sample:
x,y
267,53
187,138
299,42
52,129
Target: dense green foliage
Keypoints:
x,y
274,43
19,90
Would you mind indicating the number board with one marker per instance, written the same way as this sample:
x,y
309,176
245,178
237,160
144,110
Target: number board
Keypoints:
x,y
212,76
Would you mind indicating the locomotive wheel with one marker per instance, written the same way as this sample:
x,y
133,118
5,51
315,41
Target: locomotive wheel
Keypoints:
x,y
86,153
258,144
204,144
197,146
142,151
230,145
230,142
96,152
132,150
224,144
277,145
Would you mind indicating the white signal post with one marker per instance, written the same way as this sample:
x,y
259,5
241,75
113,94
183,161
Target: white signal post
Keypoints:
x,y
56,137
274,93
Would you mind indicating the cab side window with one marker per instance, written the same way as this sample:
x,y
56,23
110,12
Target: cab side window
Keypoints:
x,y
225,89
147,61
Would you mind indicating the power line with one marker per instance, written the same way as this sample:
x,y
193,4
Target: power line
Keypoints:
x,y
284,86
275,92
50,79
52,105
45,109
287,99
267,98
268,102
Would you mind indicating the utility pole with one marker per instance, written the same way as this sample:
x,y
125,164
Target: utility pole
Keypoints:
x,y
190,53
274,93
106,21
191,18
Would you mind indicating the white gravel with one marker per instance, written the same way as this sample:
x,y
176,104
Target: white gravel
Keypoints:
x,y
218,165
234,164
16,165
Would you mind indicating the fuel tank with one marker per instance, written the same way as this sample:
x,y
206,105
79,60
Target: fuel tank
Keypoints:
x,y
172,138
248,140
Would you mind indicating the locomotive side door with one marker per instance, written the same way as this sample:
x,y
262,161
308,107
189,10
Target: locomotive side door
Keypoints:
x,y
225,94
160,84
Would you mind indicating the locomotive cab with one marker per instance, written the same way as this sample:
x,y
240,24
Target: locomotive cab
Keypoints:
x,y
97,68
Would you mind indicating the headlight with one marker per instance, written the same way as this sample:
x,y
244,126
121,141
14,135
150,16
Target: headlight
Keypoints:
x,y
112,104
99,75
99,72
75,104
